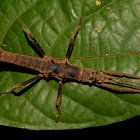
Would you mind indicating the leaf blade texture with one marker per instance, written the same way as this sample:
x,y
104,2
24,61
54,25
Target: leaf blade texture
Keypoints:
x,y
108,40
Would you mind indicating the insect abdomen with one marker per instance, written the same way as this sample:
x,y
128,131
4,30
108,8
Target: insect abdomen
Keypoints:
x,y
21,60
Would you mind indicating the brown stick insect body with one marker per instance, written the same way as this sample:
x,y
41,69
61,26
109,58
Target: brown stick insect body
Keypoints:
x,y
63,70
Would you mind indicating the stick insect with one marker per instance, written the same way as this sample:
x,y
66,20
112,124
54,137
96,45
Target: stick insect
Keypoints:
x,y
64,71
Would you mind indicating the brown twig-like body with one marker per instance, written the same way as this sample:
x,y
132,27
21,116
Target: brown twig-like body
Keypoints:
x,y
64,71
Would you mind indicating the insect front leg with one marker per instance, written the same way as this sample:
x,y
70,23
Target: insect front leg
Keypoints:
x,y
30,34
120,74
71,43
23,83
58,100
116,88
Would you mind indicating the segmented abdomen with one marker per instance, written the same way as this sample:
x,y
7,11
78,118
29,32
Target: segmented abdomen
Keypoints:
x,y
21,60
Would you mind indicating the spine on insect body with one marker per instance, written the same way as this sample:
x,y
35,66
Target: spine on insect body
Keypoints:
x,y
88,75
92,76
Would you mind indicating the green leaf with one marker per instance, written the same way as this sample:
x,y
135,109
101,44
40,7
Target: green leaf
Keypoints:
x,y
109,40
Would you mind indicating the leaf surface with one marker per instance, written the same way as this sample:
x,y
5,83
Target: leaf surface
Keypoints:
x,y
109,40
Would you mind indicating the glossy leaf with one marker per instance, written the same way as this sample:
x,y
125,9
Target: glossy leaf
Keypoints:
x,y
109,39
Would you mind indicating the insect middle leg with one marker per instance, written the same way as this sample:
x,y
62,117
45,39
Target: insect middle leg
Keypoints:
x,y
116,88
58,100
23,83
71,43
30,34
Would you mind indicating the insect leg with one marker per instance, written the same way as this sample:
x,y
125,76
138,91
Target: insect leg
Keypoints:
x,y
71,43
23,83
58,100
120,74
116,88
39,48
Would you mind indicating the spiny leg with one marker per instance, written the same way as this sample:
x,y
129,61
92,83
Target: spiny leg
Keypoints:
x,y
71,43
34,40
58,100
23,83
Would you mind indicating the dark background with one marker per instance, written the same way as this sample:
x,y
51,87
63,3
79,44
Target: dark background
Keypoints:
x,y
121,130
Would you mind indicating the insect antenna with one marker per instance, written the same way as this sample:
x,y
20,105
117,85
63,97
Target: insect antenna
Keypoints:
x,y
124,82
